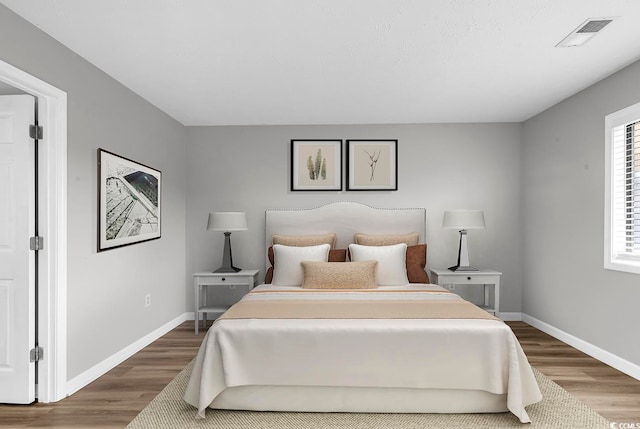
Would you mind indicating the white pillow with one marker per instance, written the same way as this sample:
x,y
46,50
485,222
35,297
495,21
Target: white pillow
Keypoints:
x,y
287,267
392,266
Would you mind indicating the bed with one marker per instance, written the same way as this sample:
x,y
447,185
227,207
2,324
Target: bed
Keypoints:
x,y
397,348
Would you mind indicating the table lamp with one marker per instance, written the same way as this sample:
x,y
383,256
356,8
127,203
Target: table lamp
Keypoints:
x,y
227,222
463,220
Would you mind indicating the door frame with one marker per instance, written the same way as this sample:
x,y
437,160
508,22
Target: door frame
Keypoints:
x,y
52,299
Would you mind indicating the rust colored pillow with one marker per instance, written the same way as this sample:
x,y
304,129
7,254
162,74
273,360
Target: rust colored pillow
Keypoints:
x,y
335,255
269,276
416,261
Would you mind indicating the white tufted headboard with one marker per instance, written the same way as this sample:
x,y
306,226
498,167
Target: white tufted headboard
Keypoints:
x,y
345,219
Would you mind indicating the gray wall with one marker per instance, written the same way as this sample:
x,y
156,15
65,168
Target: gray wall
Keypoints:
x,y
441,167
565,283
6,89
106,290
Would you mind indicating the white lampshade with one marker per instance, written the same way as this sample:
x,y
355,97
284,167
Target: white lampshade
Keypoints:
x,y
463,219
227,221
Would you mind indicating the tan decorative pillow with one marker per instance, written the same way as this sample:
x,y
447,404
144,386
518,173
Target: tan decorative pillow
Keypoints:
x,y
416,261
338,275
335,255
411,239
305,240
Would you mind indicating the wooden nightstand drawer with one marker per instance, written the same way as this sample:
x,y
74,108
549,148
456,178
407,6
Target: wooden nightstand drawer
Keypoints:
x,y
228,280
466,278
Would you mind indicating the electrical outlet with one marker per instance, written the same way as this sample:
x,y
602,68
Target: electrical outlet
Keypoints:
x,y
147,300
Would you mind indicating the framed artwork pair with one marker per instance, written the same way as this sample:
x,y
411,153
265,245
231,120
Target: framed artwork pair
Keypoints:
x,y
371,165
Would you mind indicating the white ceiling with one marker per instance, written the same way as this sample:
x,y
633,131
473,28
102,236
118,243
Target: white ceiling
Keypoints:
x,y
237,62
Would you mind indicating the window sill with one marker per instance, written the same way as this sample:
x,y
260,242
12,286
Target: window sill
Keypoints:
x,y
623,265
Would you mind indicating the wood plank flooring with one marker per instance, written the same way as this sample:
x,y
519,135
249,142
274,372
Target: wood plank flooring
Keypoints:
x,y
116,398
613,394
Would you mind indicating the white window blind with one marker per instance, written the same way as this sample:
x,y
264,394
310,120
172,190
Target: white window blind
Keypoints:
x,y
622,234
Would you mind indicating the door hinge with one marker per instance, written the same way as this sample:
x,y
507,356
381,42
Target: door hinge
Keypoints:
x,y
36,243
36,354
36,131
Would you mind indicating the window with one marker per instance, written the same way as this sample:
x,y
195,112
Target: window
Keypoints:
x,y
622,190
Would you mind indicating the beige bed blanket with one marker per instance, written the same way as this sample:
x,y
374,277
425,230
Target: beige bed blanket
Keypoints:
x,y
361,309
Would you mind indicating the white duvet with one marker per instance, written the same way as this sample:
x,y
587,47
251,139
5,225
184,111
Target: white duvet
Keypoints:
x,y
471,354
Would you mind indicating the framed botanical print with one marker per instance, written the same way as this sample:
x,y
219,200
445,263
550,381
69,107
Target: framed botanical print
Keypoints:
x,y
316,165
129,201
372,165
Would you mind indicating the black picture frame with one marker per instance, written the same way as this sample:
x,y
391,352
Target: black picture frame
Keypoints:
x,y
129,201
316,165
372,165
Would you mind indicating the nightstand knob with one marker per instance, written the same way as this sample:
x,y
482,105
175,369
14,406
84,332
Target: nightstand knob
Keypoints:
x,y
468,278
223,279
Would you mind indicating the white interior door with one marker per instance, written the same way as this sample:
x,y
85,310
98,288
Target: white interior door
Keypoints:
x,y
17,279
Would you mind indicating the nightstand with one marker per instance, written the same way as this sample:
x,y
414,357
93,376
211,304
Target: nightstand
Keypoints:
x,y
203,280
484,277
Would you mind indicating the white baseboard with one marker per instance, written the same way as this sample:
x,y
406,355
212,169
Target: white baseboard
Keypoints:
x,y
510,317
106,365
596,352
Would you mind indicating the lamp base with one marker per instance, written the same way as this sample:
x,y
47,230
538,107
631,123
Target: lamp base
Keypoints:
x,y
227,270
459,268
463,255
227,257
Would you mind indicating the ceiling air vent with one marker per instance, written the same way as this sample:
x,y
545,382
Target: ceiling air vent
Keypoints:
x,y
584,32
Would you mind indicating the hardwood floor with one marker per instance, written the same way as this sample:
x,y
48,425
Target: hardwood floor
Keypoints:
x,y
613,394
116,398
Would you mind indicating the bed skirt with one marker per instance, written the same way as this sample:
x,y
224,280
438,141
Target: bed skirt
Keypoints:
x,y
359,400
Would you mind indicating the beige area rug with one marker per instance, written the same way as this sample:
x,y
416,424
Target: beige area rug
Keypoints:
x,y
558,409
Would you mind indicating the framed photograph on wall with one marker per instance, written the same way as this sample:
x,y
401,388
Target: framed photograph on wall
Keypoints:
x,y
129,201
316,165
372,165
